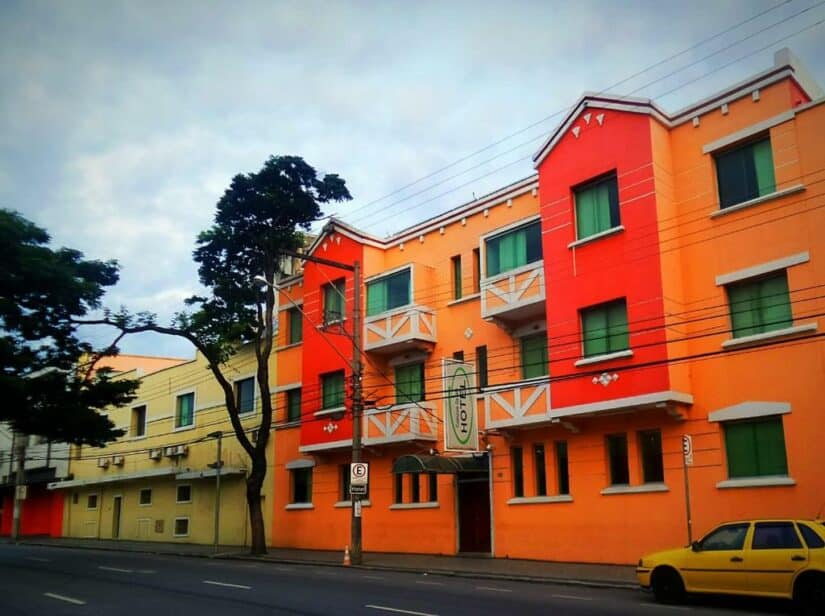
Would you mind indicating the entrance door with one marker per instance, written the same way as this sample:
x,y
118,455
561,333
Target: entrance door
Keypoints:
x,y
474,515
116,517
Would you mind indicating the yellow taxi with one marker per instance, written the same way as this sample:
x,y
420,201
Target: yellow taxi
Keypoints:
x,y
767,558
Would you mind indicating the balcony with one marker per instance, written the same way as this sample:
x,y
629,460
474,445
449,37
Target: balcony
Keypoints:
x,y
515,295
516,405
401,423
402,329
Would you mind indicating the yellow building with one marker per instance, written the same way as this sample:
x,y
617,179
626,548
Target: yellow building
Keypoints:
x,y
157,482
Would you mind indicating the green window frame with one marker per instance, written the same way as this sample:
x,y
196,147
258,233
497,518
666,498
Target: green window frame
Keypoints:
x,y
332,390
185,410
245,395
755,447
597,206
745,172
514,248
334,302
409,383
534,356
388,292
293,404
456,263
296,325
605,329
760,306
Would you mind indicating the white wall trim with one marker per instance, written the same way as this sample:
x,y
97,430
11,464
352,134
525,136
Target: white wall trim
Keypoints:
x,y
757,482
596,236
748,131
299,506
623,403
763,268
748,410
510,227
299,463
423,505
286,387
326,446
640,489
791,190
596,359
345,504
540,500
796,330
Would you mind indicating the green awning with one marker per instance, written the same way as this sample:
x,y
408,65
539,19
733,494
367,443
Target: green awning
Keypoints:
x,y
440,464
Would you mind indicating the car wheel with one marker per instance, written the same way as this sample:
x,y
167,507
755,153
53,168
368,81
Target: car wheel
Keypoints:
x,y
667,586
809,595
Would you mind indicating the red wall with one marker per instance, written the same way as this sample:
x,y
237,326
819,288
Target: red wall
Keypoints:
x,y
625,264
42,513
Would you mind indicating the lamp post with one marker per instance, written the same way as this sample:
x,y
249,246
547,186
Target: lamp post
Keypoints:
x,y
218,464
357,372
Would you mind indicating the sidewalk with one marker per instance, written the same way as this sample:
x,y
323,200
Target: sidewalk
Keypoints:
x,y
608,576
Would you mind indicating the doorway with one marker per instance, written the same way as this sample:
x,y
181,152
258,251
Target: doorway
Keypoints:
x,y
474,533
116,516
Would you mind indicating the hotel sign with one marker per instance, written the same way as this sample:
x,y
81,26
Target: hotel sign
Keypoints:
x,y
460,413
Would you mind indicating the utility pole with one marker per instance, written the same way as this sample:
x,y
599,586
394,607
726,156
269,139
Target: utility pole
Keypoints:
x,y
218,464
19,487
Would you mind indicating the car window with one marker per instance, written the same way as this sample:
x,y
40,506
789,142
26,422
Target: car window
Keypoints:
x,y
729,537
775,536
812,539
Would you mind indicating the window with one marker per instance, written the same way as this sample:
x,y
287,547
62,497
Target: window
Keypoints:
x,y
728,537
245,395
458,355
91,501
301,485
604,328
334,302
293,404
185,410
415,488
344,477
541,473
183,494
481,365
759,306
650,446
745,173
181,527
755,448
518,471
398,492
476,270
432,480
75,498
388,292
456,269
617,459
145,497
775,536
409,383
534,356
812,539
513,249
138,427
597,206
562,472
332,390
296,325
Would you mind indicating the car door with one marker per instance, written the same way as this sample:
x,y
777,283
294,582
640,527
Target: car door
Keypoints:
x,y
776,553
718,562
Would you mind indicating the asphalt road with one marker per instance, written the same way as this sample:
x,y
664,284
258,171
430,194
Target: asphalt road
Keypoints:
x,y
47,580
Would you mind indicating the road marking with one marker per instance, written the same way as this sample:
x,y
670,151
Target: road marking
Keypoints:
x,y
493,589
283,569
429,583
227,585
146,571
326,573
38,560
52,595
119,570
373,577
572,597
397,611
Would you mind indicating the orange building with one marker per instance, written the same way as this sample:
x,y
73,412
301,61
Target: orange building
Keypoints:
x,y
534,358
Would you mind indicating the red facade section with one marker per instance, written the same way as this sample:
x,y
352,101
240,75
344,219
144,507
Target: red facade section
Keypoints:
x,y
42,513
624,264
326,348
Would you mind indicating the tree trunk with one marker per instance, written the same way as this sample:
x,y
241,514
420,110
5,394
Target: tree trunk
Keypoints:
x,y
254,483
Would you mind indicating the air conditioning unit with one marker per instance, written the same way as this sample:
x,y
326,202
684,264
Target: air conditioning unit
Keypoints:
x,y
181,450
117,460
169,451
103,462
154,454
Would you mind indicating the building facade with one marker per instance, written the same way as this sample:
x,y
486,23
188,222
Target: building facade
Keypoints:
x,y
658,277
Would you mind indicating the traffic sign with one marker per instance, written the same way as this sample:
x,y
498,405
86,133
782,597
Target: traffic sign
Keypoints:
x,y
359,474
687,449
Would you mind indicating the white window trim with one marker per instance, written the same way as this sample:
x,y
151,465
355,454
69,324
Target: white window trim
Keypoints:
x,y
151,497
757,482
345,504
805,328
333,411
132,407
299,506
749,410
540,500
194,423
763,268
745,133
596,236
183,502
299,463
421,505
596,359
639,489
465,298
175,525
482,246
777,194
256,394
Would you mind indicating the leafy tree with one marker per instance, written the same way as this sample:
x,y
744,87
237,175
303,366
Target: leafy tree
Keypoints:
x,y
258,216
42,291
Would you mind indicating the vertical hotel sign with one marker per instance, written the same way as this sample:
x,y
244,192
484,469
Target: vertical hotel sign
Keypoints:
x,y
460,413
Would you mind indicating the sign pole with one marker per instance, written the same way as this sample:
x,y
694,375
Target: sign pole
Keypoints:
x,y
357,409
687,460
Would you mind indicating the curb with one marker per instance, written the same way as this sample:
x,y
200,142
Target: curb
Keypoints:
x,y
471,574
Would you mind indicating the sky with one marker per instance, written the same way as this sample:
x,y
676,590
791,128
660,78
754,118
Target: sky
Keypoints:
x,y
122,123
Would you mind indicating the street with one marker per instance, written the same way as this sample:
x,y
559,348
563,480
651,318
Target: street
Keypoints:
x,y
44,580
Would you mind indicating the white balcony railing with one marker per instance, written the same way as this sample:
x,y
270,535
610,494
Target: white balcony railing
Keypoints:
x,y
390,331
518,404
401,423
515,294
